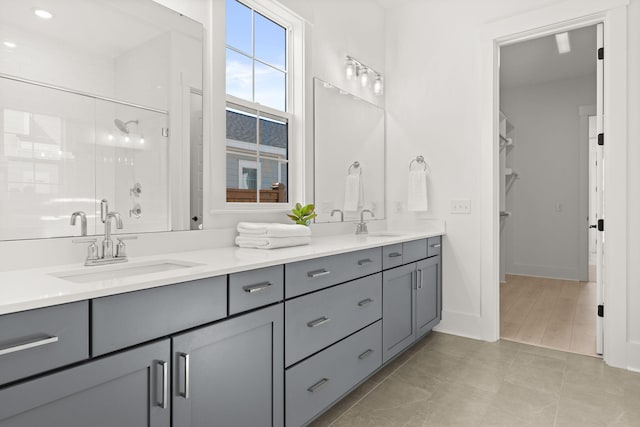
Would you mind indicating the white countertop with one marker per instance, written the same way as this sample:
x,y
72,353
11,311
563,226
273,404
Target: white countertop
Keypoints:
x,y
35,288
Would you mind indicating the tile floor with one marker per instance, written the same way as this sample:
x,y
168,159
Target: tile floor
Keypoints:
x,y
445,380
558,314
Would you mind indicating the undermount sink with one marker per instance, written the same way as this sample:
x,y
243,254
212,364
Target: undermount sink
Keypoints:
x,y
91,274
385,234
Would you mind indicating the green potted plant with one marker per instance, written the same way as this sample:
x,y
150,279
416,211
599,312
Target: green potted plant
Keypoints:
x,y
303,214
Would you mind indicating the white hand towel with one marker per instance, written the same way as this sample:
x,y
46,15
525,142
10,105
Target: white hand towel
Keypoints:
x,y
353,193
417,192
271,242
272,230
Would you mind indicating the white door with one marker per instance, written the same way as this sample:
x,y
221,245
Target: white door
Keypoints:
x,y
599,194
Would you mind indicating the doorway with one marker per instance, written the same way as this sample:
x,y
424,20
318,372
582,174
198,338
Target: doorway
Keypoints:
x,y
548,197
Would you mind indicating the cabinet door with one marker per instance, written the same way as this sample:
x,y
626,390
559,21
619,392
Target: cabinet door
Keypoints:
x,y
398,329
427,295
231,373
127,389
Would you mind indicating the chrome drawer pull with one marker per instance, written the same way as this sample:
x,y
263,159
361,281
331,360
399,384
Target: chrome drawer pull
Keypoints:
x,y
437,245
364,262
317,386
419,284
27,345
318,322
365,302
318,273
395,254
365,354
257,287
187,368
165,384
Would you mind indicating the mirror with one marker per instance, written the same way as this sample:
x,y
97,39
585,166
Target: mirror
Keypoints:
x,y
349,155
99,99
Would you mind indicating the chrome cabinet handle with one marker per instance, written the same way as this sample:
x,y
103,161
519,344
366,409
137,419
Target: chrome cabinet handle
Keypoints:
x,y
165,384
436,245
28,344
365,302
318,322
317,386
257,287
318,273
187,368
365,354
414,279
395,254
419,275
364,262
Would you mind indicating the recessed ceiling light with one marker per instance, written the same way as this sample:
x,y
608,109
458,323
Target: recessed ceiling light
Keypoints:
x,y
562,40
9,44
44,14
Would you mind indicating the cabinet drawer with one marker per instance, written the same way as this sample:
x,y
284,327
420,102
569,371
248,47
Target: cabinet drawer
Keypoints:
x,y
311,275
255,288
39,340
391,256
434,246
316,321
123,320
319,381
414,250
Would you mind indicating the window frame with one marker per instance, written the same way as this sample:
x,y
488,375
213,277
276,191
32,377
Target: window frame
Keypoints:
x,y
294,102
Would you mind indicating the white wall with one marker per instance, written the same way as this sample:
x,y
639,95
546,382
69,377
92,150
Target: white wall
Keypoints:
x,y
435,102
544,240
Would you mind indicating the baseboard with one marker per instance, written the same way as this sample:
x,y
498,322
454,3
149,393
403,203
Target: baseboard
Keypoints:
x,y
550,272
633,356
461,324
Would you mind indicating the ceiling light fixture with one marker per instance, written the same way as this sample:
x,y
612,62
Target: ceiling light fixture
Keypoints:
x,y
9,44
43,14
564,45
364,73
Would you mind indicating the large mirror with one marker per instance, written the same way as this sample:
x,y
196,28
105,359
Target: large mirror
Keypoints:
x,y
349,155
99,99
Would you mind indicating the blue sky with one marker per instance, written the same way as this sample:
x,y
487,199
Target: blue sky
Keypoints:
x,y
270,47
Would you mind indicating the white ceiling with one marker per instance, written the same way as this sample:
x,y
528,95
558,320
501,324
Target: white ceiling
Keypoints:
x,y
538,61
106,27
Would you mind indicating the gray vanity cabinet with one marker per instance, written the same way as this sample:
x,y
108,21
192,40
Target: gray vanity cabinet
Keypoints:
x,y
428,295
398,298
231,373
125,389
411,303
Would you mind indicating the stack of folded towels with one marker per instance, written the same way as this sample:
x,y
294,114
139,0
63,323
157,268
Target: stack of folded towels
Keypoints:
x,y
270,236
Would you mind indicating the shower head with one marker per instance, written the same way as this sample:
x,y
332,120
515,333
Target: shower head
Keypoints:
x,y
124,126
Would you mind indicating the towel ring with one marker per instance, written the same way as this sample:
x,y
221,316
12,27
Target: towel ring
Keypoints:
x,y
420,161
354,166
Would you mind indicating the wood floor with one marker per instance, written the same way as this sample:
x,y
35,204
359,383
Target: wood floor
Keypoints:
x,y
558,314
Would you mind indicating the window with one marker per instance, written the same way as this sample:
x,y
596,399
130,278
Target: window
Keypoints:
x,y
258,107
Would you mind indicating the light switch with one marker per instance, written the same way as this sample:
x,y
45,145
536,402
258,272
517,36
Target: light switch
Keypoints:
x,y
461,206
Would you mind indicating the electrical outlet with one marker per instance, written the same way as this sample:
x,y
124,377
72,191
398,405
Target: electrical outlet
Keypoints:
x,y
462,206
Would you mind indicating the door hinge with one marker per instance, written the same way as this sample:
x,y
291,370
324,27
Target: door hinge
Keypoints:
x,y
601,225
165,132
601,310
601,139
601,53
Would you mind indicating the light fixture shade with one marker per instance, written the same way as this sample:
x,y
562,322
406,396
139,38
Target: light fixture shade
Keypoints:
x,y
350,69
378,86
363,74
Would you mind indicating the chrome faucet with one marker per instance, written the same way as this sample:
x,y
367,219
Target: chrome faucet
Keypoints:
x,y
83,221
341,214
107,257
361,227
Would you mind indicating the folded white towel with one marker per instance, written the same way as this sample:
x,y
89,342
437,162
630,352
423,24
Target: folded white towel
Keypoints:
x,y
353,193
417,192
272,230
271,242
